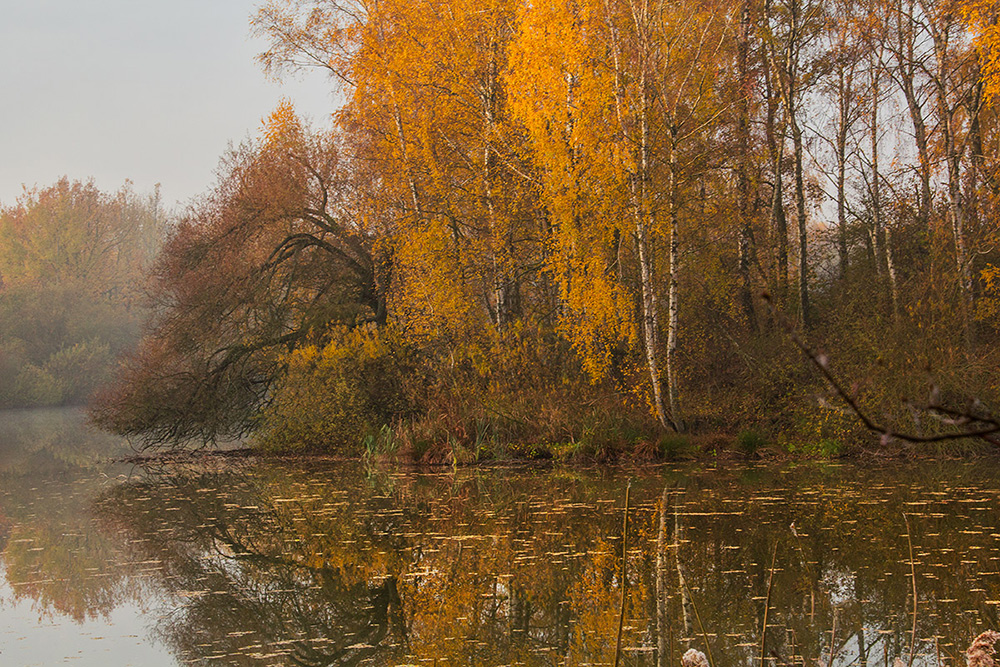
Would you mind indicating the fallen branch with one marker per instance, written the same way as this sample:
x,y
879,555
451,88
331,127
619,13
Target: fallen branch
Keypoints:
x,y
984,427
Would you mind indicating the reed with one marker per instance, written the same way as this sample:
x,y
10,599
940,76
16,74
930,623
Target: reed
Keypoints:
x,y
621,609
767,603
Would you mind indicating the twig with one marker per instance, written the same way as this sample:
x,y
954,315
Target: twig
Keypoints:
x,y
833,638
767,603
989,429
913,579
621,610
701,627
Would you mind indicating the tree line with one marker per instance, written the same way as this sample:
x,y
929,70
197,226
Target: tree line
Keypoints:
x,y
72,266
530,220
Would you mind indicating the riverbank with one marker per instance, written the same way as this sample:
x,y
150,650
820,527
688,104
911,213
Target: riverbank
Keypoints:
x,y
704,448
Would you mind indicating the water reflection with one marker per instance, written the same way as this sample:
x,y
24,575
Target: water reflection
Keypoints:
x,y
252,563
51,551
64,592
294,565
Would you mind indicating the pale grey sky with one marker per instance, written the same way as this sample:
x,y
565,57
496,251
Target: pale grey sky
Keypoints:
x,y
137,89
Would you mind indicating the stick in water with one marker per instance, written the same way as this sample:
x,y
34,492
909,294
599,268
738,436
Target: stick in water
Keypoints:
x,y
621,610
913,579
767,603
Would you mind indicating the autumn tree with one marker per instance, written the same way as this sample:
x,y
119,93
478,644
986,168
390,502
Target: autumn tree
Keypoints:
x,y
518,205
426,104
792,29
953,80
283,247
71,264
616,98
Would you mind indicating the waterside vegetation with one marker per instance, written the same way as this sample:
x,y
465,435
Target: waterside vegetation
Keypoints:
x,y
542,230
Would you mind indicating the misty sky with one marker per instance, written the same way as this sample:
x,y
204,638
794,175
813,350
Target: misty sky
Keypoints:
x,y
149,91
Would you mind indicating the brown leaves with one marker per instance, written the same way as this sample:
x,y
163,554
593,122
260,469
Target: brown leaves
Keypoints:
x,y
980,653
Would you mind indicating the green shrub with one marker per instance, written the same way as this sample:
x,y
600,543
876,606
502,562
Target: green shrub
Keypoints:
x,y
829,448
13,356
750,442
382,443
81,368
36,387
673,445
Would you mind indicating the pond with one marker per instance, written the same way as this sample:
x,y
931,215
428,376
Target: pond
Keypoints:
x,y
243,562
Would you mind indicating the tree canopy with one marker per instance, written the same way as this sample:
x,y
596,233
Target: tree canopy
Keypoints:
x,y
72,261
589,196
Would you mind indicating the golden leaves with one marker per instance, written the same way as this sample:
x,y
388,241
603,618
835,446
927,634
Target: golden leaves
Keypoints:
x,y
983,15
282,126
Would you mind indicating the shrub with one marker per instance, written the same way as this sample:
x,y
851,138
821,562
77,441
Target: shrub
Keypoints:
x,y
332,397
673,445
81,369
750,442
36,387
13,356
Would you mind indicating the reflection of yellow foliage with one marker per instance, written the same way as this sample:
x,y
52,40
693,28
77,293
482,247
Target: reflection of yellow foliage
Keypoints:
x,y
507,568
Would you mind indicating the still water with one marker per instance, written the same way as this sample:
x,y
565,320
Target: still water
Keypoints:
x,y
271,563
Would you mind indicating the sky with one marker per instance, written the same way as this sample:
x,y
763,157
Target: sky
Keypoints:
x,y
148,91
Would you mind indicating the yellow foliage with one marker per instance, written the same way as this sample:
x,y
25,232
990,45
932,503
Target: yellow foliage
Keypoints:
x,y
988,306
332,396
282,126
983,17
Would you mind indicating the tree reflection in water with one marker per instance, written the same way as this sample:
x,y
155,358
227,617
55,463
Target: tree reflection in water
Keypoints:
x,y
306,565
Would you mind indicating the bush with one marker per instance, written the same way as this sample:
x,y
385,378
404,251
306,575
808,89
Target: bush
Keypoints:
x,y
36,387
81,369
13,356
673,445
750,442
332,397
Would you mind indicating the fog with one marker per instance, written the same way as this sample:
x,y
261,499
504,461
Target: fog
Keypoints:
x,y
116,90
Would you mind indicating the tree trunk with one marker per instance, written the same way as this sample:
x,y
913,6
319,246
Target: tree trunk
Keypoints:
x,y
775,137
640,206
686,605
950,108
499,240
800,209
743,176
673,295
906,71
844,92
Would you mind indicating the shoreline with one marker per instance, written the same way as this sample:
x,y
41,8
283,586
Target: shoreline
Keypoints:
x,y
901,454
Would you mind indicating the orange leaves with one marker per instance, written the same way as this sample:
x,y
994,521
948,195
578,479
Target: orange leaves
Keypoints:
x,y
983,16
282,127
563,87
988,307
431,298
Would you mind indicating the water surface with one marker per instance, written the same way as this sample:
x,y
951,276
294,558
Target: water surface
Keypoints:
x,y
277,563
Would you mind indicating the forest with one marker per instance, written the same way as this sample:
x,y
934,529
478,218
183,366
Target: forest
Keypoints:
x,y
72,265
589,229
